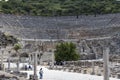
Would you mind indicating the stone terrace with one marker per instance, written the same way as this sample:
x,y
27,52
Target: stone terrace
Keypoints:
x,y
57,27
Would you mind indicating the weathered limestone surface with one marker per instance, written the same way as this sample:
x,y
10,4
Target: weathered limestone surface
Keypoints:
x,y
8,76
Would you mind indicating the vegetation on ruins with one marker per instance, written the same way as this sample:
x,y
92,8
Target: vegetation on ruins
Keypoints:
x,y
17,47
6,39
66,52
59,7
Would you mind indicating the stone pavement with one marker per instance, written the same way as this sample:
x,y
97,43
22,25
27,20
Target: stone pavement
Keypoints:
x,y
6,74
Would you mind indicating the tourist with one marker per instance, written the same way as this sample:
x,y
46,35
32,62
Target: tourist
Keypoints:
x,y
41,73
30,67
25,67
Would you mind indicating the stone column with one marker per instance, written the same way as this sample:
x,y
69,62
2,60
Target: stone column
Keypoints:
x,y
2,58
53,59
96,54
106,63
35,66
18,63
29,59
32,58
2,66
93,68
41,59
9,61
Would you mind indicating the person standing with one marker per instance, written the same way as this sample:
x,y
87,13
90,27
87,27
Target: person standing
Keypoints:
x,y
41,73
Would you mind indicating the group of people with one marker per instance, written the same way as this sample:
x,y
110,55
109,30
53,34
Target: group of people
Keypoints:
x,y
28,67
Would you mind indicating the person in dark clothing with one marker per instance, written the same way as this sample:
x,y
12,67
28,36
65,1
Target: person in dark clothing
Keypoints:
x,y
41,73
30,68
25,67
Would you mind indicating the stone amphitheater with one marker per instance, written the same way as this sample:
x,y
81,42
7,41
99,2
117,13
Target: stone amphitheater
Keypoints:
x,y
88,32
63,27
91,34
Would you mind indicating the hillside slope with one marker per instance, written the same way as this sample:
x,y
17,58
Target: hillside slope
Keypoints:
x,y
59,7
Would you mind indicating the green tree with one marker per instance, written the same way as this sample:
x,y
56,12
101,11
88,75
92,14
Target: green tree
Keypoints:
x,y
17,47
66,52
59,7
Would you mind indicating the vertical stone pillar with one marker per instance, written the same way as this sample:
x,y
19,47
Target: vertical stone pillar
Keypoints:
x,y
18,62
53,59
106,63
35,66
2,66
41,59
96,54
32,58
2,58
29,58
9,61
93,68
